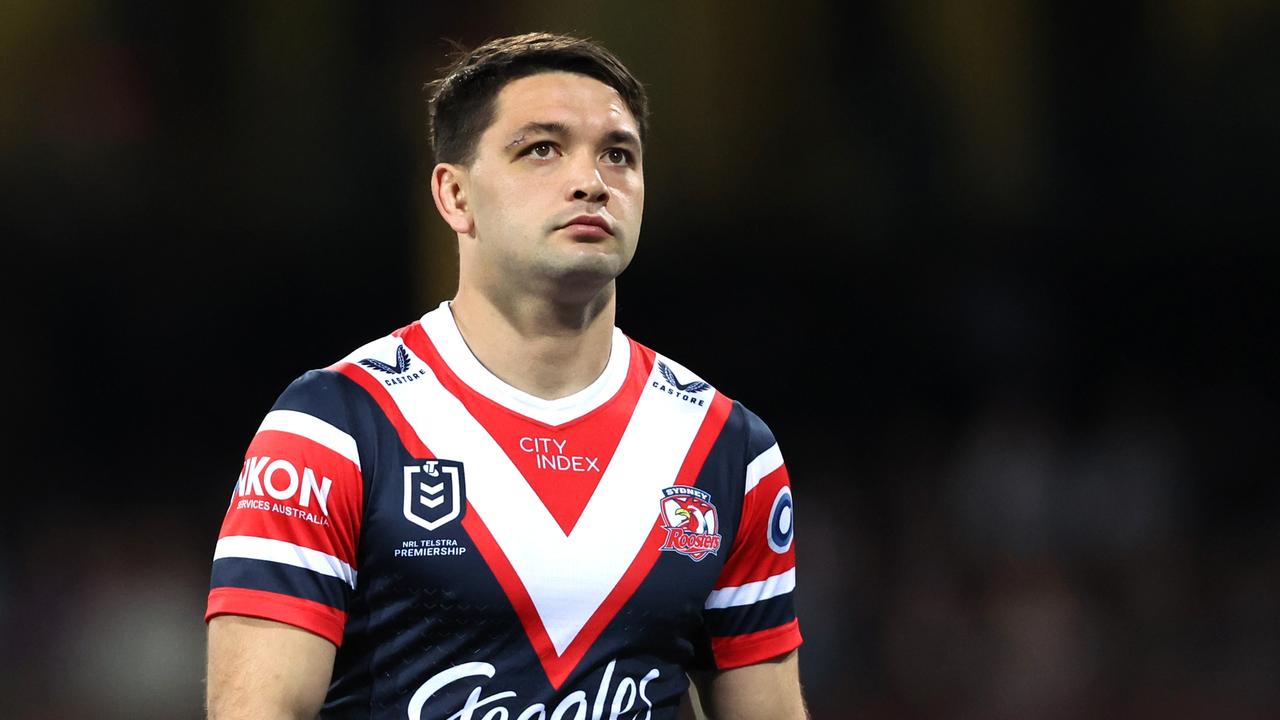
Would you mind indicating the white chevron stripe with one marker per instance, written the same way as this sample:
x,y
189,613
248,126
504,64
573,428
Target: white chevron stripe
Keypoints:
x,y
567,577
256,548
754,592
765,463
314,429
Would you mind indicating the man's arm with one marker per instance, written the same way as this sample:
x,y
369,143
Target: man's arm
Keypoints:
x,y
262,669
765,691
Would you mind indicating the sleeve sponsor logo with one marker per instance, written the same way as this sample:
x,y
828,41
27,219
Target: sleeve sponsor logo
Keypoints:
x,y
692,522
781,529
275,485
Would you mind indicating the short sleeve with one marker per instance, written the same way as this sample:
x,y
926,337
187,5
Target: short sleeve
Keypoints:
x,y
750,614
287,548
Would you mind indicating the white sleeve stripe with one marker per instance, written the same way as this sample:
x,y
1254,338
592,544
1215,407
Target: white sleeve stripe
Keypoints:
x,y
765,463
256,548
752,592
314,429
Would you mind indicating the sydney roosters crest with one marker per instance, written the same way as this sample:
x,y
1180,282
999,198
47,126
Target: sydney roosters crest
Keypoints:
x,y
692,522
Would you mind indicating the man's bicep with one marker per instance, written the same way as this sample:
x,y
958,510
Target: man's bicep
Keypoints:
x,y
265,669
284,567
769,690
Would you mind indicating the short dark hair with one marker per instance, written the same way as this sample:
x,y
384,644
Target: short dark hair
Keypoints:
x,y
461,103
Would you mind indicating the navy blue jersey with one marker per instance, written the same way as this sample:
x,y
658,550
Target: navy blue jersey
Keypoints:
x,y
471,548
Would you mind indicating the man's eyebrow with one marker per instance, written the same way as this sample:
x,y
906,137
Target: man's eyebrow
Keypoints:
x,y
622,137
547,128
613,137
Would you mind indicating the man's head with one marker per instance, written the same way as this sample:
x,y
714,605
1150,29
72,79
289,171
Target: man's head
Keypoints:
x,y
533,133
462,101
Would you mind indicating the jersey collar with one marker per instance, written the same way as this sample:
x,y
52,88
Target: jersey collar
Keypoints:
x,y
441,327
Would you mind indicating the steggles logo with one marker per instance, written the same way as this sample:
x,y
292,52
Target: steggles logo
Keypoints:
x,y
611,701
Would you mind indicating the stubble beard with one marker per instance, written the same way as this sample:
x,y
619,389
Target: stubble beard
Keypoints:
x,y
578,273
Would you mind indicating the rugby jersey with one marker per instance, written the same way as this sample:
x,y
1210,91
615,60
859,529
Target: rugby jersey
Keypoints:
x,y
470,547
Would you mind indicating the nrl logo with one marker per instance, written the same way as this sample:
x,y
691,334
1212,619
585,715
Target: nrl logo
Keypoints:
x,y
692,522
434,492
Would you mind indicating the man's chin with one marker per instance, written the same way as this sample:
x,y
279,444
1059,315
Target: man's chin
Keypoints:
x,y
582,277
585,265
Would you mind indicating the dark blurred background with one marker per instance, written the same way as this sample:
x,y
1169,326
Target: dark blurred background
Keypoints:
x,y
1001,275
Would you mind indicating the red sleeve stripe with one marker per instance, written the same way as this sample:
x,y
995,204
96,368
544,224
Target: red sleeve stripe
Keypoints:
x,y
764,464
311,616
313,429
754,562
739,650
753,592
335,539
256,548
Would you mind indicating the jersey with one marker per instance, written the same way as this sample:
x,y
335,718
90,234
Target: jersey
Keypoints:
x,y
474,550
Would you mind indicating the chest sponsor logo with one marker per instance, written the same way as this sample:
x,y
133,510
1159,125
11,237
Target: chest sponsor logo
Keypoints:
x,y
551,454
671,385
399,371
434,492
692,522
626,698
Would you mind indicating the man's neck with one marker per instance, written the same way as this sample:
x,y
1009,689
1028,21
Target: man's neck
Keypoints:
x,y
546,349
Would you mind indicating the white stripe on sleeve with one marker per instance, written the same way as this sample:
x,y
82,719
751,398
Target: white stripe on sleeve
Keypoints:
x,y
314,429
256,548
752,592
765,463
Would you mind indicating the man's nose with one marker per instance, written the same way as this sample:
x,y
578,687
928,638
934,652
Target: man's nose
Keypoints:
x,y
587,183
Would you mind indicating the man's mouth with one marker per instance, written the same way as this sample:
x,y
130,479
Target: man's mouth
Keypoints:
x,y
588,225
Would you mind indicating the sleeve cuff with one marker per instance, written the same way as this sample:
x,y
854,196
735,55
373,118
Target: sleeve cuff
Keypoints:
x,y
739,650
314,617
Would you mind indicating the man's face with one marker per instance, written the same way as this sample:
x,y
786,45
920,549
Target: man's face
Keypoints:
x,y
561,147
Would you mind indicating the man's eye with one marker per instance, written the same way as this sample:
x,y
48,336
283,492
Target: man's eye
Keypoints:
x,y
541,150
618,156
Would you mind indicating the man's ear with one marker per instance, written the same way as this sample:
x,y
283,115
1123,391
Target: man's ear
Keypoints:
x,y
449,190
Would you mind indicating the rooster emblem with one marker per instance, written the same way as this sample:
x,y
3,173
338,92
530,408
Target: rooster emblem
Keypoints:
x,y
692,523
694,517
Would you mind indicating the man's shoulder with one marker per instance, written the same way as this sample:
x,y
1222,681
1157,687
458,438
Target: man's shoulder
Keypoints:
x,y
672,376
386,354
676,378
330,384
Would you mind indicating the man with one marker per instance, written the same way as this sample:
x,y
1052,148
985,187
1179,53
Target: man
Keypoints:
x,y
508,509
